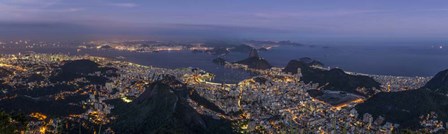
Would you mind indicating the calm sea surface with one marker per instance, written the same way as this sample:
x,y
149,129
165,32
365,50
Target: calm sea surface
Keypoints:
x,y
416,60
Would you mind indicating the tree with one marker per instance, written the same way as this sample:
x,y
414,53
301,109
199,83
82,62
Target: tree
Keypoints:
x,y
11,123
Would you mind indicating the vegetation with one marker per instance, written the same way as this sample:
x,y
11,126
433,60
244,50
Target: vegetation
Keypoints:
x,y
10,124
334,79
255,63
162,109
406,107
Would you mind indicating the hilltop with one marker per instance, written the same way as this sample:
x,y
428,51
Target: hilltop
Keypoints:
x,y
333,79
406,107
164,109
255,62
439,83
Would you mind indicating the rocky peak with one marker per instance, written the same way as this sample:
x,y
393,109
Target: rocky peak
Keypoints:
x,y
439,82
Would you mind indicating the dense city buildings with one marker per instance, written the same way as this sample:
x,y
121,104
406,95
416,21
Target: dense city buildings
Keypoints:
x,y
272,101
223,67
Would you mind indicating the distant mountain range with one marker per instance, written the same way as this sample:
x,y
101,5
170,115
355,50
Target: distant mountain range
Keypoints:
x,y
242,48
255,63
294,65
286,42
334,79
219,61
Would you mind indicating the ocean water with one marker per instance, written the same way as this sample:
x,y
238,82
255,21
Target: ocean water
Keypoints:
x,y
164,59
403,60
416,60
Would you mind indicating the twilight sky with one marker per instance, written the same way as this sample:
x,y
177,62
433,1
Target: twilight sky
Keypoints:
x,y
240,19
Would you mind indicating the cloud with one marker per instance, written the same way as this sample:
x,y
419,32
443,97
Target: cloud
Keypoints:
x,y
34,10
29,3
124,5
73,9
440,9
333,13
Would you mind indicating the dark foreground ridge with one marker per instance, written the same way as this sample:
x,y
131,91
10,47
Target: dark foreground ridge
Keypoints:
x,y
164,109
439,83
406,107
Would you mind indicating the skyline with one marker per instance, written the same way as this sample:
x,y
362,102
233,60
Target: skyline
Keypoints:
x,y
286,20
230,67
